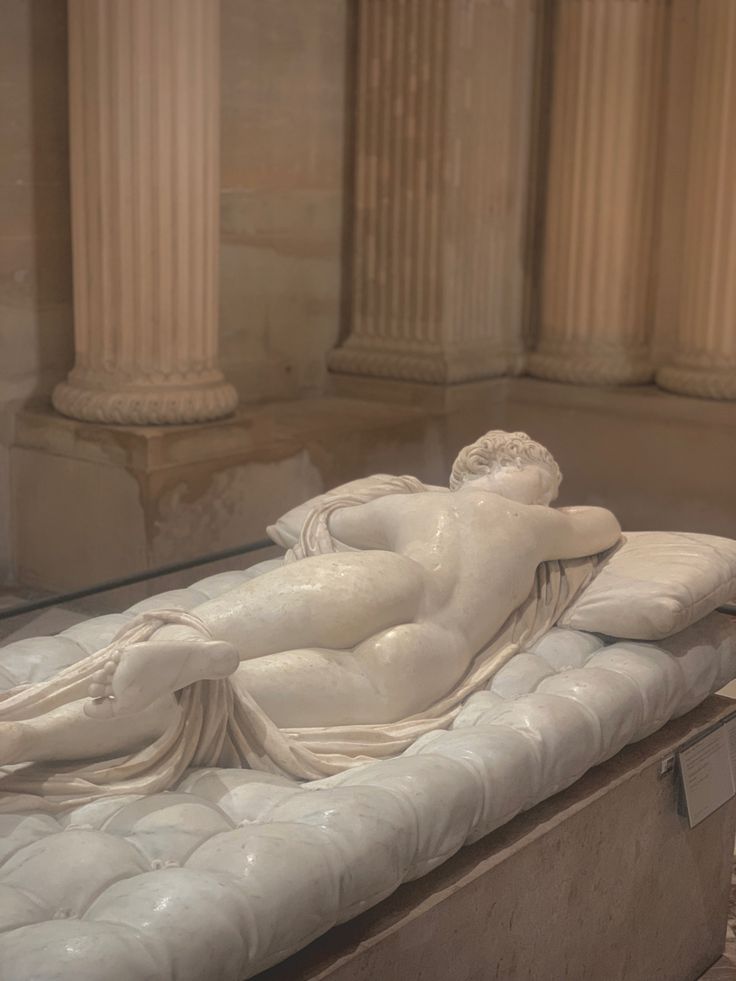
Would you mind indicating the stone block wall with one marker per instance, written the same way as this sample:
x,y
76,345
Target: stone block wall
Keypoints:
x,y
283,68
36,326
420,195
283,171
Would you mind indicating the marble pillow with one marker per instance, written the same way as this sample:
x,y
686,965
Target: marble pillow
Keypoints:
x,y
655,584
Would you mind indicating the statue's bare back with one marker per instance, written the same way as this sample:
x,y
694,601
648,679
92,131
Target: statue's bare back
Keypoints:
x,y
477,552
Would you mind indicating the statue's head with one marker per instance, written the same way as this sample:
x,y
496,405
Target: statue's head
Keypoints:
x,y
509,464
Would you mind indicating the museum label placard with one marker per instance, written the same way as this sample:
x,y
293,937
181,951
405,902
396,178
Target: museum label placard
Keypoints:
x,y
707,772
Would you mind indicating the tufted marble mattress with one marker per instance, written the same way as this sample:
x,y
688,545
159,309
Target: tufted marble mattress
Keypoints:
x,y
234,869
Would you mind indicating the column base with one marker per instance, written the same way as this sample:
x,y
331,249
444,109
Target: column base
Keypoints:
x,y
436,365
147,406
591,366
707,383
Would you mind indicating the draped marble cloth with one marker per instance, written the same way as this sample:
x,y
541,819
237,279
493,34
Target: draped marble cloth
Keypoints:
x,y
220,724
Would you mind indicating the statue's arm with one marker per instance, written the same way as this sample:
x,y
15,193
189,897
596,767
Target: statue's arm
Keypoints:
x,y
286,530
362,525
572,533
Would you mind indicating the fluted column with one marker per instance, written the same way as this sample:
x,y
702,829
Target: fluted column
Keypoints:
x,y
144,107
442,128
701,355
596,295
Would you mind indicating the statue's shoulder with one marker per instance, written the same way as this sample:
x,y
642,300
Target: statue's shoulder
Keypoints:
x,y
420,509
402,491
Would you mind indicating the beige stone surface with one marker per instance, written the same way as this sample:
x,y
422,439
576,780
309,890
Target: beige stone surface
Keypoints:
x,y
659,461
283,115
596,304
443,126
283,118
673,176
136,498
284,126
74,523
700,358
605,880
35,263
288,129
283,107
219,508
489,392
144,140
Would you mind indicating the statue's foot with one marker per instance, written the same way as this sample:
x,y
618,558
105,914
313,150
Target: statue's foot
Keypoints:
x,y
134,678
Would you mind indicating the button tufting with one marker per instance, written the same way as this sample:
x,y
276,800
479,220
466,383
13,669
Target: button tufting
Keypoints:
x,y
300,861
164,863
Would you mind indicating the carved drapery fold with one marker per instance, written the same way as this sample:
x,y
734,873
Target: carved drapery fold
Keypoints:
x,y
702,348
441,156
596,292
144,109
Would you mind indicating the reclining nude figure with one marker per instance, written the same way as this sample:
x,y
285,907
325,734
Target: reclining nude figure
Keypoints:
x,y
370,634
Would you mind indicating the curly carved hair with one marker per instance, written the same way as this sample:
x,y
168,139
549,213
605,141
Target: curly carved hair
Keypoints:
x,y
497,450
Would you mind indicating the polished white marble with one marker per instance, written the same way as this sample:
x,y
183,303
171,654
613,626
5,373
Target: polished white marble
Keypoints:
x,y
234,869
164,857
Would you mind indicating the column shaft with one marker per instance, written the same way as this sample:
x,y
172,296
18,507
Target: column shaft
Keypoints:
x,y
144,107
702,352
596,295
440,188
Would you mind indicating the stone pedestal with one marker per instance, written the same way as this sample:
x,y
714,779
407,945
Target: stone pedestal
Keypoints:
x,y
442,140
701,355
144,111
605,880
93,502
596,296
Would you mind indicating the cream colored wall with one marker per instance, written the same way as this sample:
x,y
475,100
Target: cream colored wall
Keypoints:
x,y
283,114
36,348
283,119
285,127
35,270
659,461
282,162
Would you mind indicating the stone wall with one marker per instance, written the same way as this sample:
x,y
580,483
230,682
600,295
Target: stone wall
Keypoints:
x,y
283,118
437,192
282,160
36,335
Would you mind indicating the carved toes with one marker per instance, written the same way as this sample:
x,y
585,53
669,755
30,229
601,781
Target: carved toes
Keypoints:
x,y
100,688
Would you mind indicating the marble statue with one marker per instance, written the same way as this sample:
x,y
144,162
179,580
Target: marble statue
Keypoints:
x,y
216,785
393,606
